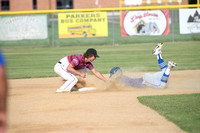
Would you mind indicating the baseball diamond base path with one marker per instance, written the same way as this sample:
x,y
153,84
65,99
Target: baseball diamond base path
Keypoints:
x,y
35,107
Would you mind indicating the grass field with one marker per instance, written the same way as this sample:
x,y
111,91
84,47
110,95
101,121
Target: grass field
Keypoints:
x,y
39,62
183,110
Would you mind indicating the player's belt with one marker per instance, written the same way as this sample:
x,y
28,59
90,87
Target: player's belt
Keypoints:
x,y
60,62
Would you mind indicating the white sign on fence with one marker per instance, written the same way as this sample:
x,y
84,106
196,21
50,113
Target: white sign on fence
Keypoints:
x,y
23,27
189,21
153,22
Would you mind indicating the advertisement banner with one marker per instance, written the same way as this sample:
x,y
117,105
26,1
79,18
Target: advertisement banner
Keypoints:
x,y
189,21
87,24
154,22
23,27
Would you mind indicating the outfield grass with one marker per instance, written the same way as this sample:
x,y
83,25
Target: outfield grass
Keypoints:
x,y
183,110
39,62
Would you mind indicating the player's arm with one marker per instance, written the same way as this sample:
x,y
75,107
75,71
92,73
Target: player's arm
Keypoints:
x,y
71,69
98,75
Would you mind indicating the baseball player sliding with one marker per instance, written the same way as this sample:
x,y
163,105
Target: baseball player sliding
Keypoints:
x,y
156,80
72,65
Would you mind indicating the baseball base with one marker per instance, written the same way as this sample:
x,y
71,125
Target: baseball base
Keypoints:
x,y
87,88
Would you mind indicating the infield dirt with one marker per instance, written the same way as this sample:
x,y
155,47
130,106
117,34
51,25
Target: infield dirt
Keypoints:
x,y
35,107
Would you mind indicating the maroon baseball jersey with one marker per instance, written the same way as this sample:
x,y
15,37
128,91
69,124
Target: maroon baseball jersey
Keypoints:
x,y
78,62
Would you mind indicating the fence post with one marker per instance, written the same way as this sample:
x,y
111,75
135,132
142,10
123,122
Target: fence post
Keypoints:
x,y
52,31
172,22
113,28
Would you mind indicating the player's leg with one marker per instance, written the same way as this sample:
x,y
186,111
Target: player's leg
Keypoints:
x,y
69,84
71,78
161,62
166,73
159,79
165,69
157,52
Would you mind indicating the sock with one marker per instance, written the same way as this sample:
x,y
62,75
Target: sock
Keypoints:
x,y
165,76
161,62
167,71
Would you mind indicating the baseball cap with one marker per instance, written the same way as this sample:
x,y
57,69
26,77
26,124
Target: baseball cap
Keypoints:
x,y
92,51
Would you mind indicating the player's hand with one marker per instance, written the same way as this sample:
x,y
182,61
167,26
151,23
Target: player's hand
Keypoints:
x,y
83,75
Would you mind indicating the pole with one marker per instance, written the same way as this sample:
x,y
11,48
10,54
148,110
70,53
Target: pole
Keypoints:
x,y
52,31
113,28
172,21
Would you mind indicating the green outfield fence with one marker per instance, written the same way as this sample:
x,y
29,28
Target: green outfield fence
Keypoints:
x,y
114,28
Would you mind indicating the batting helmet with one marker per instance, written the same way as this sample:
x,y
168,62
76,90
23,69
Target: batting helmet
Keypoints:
x,y
114,70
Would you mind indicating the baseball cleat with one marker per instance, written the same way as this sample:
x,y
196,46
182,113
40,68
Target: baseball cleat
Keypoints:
x,y
172,64
61,90
157,49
